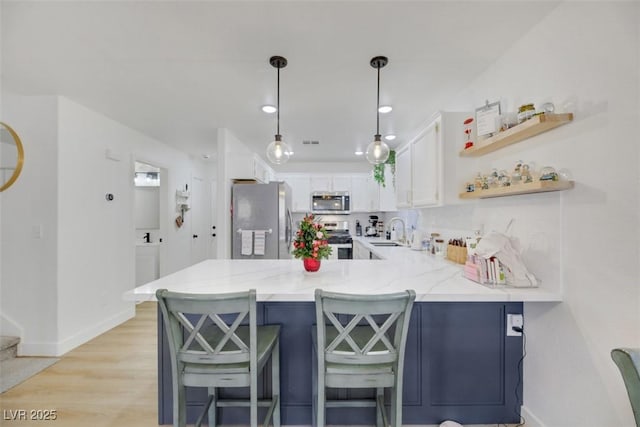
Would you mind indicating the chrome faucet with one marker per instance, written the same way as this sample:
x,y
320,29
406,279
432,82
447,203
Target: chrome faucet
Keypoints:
x,y
402,239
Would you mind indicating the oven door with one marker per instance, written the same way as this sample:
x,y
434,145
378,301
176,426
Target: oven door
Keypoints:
x,y
341,251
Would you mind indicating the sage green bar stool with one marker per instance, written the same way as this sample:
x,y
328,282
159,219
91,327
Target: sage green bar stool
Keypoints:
x,y
360,342
628,361
208,350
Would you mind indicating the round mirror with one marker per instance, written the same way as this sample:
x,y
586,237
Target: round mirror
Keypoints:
x,y
11,156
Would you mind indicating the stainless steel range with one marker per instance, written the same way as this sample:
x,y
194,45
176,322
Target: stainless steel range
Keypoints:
x,y
339,239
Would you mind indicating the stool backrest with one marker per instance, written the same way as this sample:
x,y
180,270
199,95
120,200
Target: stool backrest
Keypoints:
x,y
204,328
362,329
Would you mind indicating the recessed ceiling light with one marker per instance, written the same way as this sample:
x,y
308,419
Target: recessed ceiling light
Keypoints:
x,y
390,137
359,153
270,109
384,109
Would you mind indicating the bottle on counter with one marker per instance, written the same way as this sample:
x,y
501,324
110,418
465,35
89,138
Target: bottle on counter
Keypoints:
x,y
358,228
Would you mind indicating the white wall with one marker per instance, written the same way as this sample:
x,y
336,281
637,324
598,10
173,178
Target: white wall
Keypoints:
x,y
29,263
235,161
584,58
85,258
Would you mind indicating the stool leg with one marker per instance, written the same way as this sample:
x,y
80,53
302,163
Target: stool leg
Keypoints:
x,y
213,407
379,409
275,382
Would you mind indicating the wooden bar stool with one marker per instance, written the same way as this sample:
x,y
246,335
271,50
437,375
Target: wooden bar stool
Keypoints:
x,y
209,351
360,341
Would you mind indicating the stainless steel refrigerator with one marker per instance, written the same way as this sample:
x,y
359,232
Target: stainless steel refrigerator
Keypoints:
x,y
261,221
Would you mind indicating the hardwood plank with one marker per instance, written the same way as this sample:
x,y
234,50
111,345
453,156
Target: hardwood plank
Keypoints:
x,y
109,381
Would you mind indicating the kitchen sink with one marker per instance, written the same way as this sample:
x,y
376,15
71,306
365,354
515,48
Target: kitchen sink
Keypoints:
x,y
385,244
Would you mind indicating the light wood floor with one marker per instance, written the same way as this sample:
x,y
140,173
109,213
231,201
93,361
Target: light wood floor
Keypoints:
x,y
109,381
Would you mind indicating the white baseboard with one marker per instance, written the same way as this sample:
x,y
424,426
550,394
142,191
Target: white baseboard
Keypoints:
x,y
56,349
532,420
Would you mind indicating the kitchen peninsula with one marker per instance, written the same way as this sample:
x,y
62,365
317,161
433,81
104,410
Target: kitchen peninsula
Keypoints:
x,y
459,364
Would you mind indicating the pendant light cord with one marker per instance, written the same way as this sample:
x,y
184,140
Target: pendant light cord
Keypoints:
x,y
378,104
278,105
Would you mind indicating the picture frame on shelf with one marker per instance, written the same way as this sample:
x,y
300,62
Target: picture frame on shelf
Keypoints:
x,y
488,119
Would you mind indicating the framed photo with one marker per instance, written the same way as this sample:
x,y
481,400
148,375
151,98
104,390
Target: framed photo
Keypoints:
x,y
487,119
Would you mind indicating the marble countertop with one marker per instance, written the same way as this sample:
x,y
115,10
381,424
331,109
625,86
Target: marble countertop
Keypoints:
x,y
433,279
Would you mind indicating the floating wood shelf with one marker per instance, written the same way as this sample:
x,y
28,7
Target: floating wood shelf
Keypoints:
x,y
532,187
524,130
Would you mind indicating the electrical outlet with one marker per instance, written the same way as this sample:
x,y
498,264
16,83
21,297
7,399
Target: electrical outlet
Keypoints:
x,y
514,320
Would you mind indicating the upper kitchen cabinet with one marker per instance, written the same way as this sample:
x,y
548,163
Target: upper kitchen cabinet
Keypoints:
x,y
331,183
403,177
262,172
300,191
428,168
364,193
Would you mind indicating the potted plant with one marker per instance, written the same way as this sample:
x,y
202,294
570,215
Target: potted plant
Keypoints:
x,y
378,170
311,243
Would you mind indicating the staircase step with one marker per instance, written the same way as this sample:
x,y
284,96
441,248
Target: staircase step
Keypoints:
x,y
8,347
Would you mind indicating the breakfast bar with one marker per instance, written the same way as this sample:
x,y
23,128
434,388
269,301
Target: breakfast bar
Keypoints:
x,y
459,363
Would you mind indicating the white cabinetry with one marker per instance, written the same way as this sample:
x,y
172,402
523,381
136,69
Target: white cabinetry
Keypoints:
x,y
360,251
147,263
403,177
364,193
422,164
331,183
262,172
300,191
426,167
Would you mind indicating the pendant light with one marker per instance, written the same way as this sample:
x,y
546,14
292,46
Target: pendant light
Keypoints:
x,y
278,152
378,150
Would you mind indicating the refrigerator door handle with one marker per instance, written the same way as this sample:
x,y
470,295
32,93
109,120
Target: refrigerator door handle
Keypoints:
x,y
289,230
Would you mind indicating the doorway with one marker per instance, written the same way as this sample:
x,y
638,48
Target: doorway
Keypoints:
x,y
150,211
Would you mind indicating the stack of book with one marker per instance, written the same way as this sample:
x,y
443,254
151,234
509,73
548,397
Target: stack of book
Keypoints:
x,y
486,271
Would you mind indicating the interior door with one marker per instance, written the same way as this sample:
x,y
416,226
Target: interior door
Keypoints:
x,y
199,229
213,232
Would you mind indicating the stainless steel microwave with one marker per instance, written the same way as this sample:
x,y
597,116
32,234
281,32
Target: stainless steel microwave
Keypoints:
x,y
335,202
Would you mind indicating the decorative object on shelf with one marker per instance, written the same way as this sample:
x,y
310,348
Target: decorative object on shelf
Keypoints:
x,y
504,179
488,119
516,175
378,151
529,188
526,174
468,128
532,127
548,173
311,243
12,156
278,152
378,170
525,112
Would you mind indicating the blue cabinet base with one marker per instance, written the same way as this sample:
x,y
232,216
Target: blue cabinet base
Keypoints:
x,y
459,365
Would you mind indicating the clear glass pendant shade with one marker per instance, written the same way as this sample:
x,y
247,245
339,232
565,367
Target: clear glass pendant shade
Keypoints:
x,y
377,151
278,152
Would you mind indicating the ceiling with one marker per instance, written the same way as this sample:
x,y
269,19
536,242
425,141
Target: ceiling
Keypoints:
x,y
178,70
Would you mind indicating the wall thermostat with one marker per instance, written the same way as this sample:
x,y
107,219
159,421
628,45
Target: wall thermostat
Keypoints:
x,y
109,197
